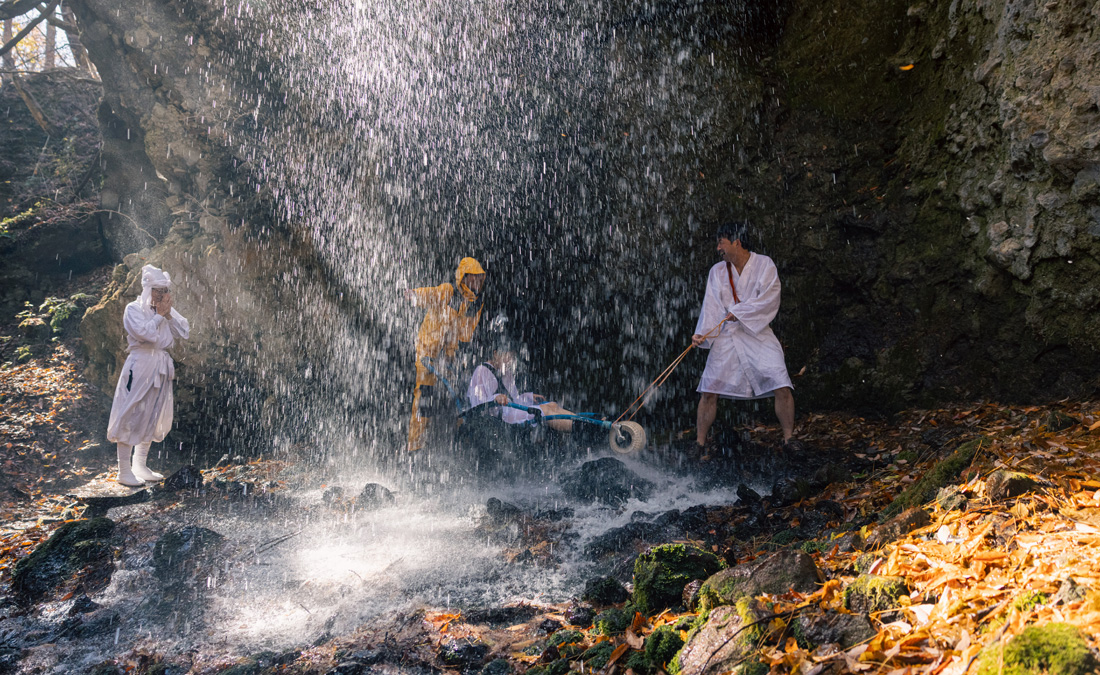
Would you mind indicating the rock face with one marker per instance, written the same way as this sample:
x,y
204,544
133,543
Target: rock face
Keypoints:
x,y
70,548
778,573
723,641
926,176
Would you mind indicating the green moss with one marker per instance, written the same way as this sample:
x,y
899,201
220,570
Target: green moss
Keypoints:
x,y
1029,601
637,662
612,621
747,609
940,475
752,667
1054,648
566,642
597,656
662,645
815,546
786,537
874,593
661,573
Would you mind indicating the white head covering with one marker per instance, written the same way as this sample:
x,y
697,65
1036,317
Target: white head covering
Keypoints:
x,y
152,277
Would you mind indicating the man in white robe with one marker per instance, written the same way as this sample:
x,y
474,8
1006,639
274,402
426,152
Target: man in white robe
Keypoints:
x,y
746,359
495,380
142,409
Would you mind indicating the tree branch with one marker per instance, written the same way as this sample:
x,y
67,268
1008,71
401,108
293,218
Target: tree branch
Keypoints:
x,y
14,8
29,27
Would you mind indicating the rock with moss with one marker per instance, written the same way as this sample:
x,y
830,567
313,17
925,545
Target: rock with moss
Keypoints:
x,y
185,554
661,647
777,573
942,474
604,591
567,642
559,667
874,593
497,667
1053,648
612,621
661,573
1008,485
720,646
69,549
597,656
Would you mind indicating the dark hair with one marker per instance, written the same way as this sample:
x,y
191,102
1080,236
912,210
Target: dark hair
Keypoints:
x,y
735,230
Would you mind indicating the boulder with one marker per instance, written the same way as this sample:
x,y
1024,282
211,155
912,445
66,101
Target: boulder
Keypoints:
x,y
607,480
604,591
374,496
721,644
1054,648
828,627
69,549
777,573
873,593
897,527
661,573
464,654
628,537
185,478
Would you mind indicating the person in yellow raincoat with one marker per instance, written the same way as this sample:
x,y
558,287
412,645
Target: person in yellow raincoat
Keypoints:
x,y
453,312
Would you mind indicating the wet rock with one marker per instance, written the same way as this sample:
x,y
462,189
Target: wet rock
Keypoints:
x,y
1069,592
746,495
628,537
98,622
897,527
374,496
186,478
500,512
690,597
348,668
873,593
1060,421
332,495
367,657
501,616
849,542
184,553
661,573
607,480
580,615
548,626
83,605
829,627
1008,484
788,491
604,591
465,654
777,573
69,549
723,642
497,667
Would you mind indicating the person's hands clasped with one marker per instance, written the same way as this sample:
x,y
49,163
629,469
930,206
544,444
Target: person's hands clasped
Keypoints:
x,y
162,302
501,399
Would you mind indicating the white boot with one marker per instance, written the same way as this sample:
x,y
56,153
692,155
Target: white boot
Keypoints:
x,y
125,473
141,452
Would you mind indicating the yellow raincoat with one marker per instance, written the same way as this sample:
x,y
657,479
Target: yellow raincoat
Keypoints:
x,y
448,321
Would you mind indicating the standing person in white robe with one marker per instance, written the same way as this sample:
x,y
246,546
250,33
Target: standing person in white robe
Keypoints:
x,y
142,409
746,359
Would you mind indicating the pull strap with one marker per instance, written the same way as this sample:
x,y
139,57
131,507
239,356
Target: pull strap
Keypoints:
x,y
729,273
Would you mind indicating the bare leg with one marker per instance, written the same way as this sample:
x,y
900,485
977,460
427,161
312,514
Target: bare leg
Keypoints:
x,y
553,408
708,410
784,410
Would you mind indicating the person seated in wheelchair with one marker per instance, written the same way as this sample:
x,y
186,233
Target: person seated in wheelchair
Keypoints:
x,y
494,382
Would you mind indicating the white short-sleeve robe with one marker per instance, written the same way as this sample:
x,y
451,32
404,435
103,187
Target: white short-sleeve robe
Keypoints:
x,y
483,388
142,407
746,359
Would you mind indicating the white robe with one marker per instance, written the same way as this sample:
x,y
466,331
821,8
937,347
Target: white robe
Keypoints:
x,y
746,359
142,407
483,388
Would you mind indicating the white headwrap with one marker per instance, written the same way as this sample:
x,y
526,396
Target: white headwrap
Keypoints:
x,y
152,277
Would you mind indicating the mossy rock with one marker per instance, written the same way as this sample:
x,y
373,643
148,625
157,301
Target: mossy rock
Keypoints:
x,y
612,621
70,548
730,633
559,667
777,573
597,656
1008,485
873,593
1054,648
661,573
604,591
662,645
497,667
637,662
939,476
567,642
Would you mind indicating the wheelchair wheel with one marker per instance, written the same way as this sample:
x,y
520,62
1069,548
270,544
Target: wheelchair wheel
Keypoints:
x,y
627,437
